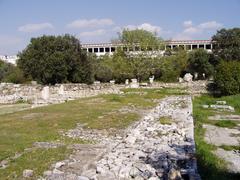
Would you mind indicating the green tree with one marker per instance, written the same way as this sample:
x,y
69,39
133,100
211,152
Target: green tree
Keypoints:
x,y
145,39
172,67
5,68
227,77
10,73
227,44
199,63
115,67
55,59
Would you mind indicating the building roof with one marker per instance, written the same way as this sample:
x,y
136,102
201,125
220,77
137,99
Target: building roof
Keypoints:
x,y
169,42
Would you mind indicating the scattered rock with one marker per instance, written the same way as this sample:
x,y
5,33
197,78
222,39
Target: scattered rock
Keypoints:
x,y
180,80
59,164
205,106
56,171
27,173
231,157
130,139
134,172
221,102
47,145
222,107
231,117
3,164
83,178
221,136
174,174
47,173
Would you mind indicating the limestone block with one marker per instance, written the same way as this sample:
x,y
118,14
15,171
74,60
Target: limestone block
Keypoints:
x,y
188,77
61,90
134,83
45,93
151,79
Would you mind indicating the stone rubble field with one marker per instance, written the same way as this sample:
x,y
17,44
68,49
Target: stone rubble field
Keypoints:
x,y
148,149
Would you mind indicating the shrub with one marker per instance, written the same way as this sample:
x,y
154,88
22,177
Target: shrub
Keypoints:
x,y
15,76
173,66
199,62
11,73
103,73
227,77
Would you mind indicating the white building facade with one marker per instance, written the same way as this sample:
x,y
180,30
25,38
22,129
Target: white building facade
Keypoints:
x,y
103,48
9,59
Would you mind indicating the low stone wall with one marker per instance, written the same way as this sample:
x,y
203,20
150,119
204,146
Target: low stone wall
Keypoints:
x,y
194,87
39,94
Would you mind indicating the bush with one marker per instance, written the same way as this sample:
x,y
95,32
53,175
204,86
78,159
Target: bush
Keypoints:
x,y
199,63
171,67
115,67
103,73
15,76
227,77
11,73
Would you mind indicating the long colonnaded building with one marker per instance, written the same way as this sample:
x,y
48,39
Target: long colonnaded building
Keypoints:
x,y
103,48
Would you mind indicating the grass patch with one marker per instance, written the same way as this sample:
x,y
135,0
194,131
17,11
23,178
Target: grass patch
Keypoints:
x,y
226,123
165,120
38,160
210,166
230,148
19,130
10,108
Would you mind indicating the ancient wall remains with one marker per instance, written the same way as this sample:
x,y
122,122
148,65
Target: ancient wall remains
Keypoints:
x,y
39,94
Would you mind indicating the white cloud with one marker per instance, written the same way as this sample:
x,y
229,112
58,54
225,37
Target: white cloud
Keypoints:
x,y
192,32
90,23
35,27
210,25
151,28
187,24
145,26
98,32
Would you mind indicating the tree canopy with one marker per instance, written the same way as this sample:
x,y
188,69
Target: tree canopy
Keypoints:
x,y
55,59
199,63
141,37
227,44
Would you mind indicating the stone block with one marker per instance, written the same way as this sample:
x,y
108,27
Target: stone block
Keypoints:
x,y
45,93
188,77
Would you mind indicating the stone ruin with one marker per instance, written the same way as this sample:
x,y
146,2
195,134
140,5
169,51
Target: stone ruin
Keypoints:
x,y
42,95
134,83
37,94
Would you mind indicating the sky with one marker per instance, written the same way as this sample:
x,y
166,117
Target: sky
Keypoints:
x,y
95,21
